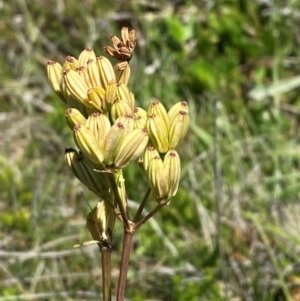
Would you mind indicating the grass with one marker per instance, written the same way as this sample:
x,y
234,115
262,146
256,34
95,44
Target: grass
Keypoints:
x,y
192,51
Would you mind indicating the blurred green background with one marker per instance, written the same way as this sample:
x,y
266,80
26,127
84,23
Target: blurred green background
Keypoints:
x,y
232,231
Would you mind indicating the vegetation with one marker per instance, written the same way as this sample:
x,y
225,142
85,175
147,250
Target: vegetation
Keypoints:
x,y
231,232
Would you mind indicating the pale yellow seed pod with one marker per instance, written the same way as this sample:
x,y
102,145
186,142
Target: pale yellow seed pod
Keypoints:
x,y
73,117
178,127
132,146
149,154
70,63
106,71
122,72
158,133
123,93
83,72
110,95
120,108
158,179
158,109
172,170
99,125
76,86
88,144
96,97
54,72
85,55
179,106
113,142
93,73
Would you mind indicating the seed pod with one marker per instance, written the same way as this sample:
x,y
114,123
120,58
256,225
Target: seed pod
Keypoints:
x,y
140,118
178,127
73,117
149,154
172,170
70,63
99,125
93,73
122,72
88,144
76,86
120,108
54,72
96,97
123,93
158,133
179,106
106,71
113,142
158,179
157,108
110,96
86,55
131,147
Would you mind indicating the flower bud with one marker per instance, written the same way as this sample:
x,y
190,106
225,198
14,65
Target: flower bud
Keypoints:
x,y
106,71
131,147
158,132
88,144
86,55
178,127
73,117
172,170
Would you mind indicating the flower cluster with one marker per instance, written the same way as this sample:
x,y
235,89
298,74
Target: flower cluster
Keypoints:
x,y
111,132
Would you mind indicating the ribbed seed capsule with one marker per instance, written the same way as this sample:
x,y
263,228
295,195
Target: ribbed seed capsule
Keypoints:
x,y
76,86
86,55
120,108
172,170
83,72
71,156
179,106
73,117
113,141
122,72
99,125
158,133
123,93
88,144
149,154
178,127
96,97
70,63
106,71
131,147
157,108
93,73
158,179
54,72
110,95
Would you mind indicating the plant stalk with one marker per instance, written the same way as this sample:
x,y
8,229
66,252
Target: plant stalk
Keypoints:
x,y
106,272
127,242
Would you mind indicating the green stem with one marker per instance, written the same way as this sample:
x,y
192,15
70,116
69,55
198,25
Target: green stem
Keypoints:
x,y
142,205
106,272
127,242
